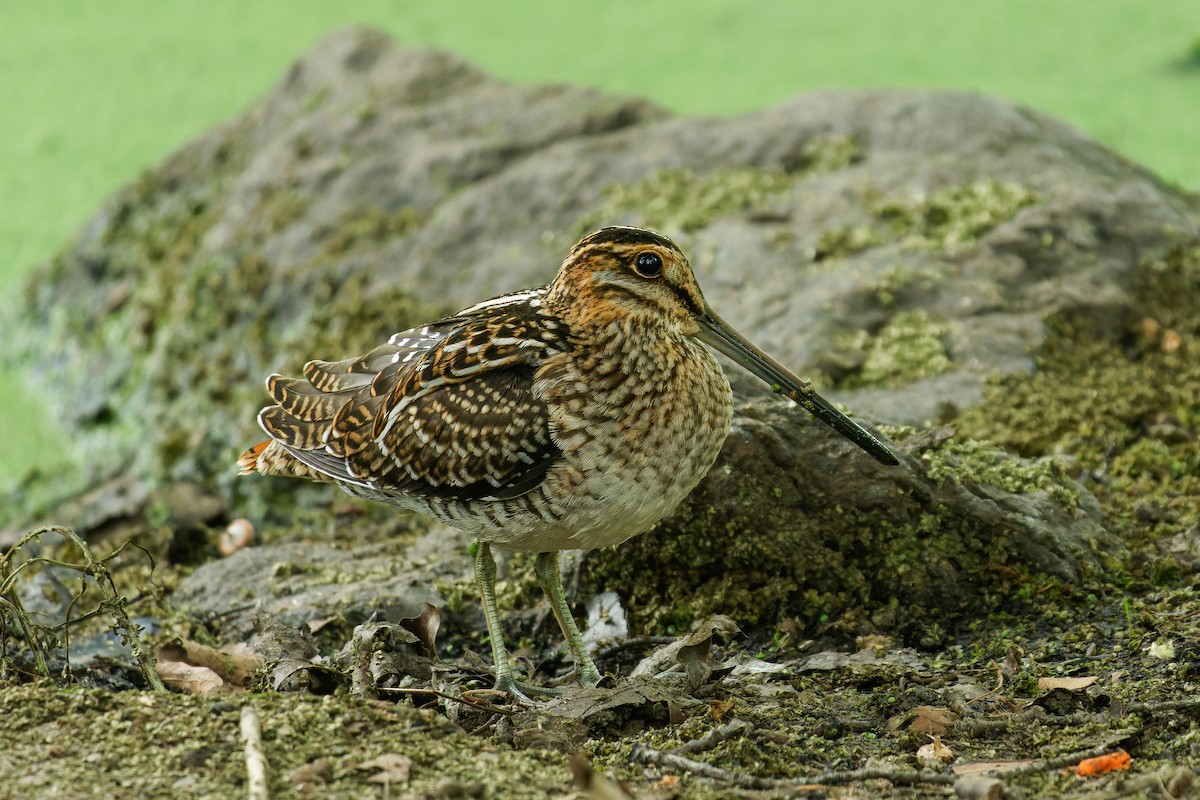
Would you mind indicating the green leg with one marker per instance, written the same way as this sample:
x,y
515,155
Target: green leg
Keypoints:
x,y
485,579
550,578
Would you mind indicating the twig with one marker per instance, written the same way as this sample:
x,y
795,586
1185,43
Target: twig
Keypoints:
x,y
22,621
713,738
807,783
900,777
998,687
682,764
129,632
1189,704
467,698
256,759
1061,762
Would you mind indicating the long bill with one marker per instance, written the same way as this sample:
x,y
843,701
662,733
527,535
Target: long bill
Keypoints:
x,y
717,334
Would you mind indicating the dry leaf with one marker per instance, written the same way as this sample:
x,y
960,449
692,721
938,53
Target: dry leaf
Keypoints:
x,y
1072,684
235,665
1163,650
597,785
691,651
718,708
934,720
875,641
393,768
307,779
274,641
425,627
295,675
189,677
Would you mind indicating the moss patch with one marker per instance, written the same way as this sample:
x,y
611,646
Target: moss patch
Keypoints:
x,y
953,218
910,347
179,350
681,200
741,557
944,222
1118,393
75,743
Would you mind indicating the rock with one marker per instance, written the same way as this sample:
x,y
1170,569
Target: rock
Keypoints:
x,y
298,584
902,248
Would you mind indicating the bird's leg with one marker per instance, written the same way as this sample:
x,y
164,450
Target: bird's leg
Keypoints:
x,y
485,579
550,578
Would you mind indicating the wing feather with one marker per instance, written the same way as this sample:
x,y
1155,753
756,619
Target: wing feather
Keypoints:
x,y
446,409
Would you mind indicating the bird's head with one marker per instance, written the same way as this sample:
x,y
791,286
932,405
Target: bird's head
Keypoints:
x,y
628,274
619,274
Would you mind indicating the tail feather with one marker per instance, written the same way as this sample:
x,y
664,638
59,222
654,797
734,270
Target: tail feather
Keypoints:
x,y
272,458
248,461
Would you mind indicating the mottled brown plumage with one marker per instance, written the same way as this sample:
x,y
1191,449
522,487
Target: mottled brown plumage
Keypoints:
x,y
575,415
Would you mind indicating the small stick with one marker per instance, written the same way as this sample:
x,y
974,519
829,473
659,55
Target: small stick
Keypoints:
x,y
256,759
900,777
467,698
806,783
999,685
713,738
682,764
1069,760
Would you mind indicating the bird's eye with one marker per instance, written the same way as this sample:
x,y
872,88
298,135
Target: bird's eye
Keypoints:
x,y
648,265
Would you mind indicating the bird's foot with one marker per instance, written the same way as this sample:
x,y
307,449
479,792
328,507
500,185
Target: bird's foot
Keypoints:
x,y
520,693
589,676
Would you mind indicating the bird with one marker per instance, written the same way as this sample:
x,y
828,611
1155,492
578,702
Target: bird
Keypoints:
x,y
574,415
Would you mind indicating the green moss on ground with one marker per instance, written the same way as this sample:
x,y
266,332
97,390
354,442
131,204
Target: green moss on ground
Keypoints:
x,y
803,721
944,222
77,743
1117,393
740,558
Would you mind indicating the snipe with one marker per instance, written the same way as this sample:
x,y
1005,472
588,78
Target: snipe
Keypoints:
x,y
571,416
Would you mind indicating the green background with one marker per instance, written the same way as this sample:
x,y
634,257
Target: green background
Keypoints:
x,y
91,93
